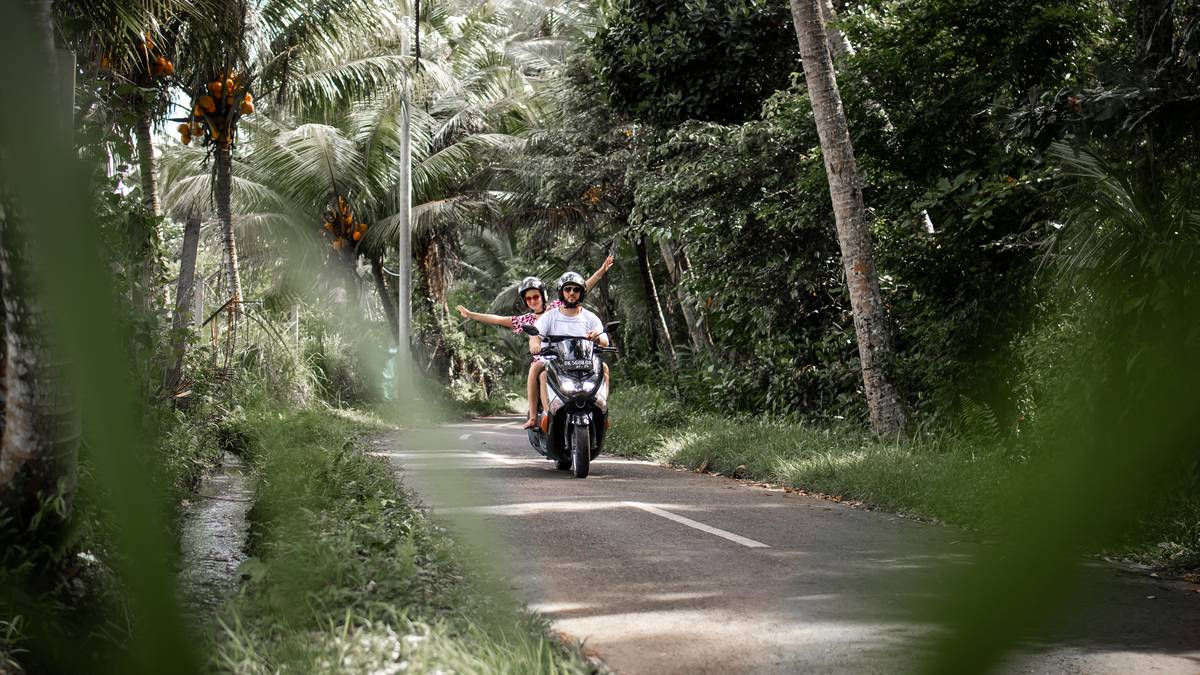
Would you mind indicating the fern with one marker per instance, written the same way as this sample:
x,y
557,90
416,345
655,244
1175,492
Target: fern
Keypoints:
x,y
977,419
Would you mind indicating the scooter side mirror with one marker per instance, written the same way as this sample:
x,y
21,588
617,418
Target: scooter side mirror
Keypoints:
x,y
608,327
530,329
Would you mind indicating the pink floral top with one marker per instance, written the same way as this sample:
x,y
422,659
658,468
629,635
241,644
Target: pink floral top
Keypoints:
x,y
530,318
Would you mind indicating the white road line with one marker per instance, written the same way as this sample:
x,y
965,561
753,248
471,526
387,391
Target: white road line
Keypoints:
x,y
534,508
445,459
464,437
749,543
435,456
499,458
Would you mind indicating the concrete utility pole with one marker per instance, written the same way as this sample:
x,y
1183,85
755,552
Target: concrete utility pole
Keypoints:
x,y
404,243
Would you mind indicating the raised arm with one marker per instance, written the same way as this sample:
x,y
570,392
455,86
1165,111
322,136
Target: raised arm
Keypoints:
x,y
493,319
595,278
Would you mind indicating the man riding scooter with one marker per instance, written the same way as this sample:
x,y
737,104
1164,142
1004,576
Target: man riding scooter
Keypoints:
x,y
574,384
532,292
570,319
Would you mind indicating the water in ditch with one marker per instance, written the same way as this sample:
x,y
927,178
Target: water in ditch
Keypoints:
x,y
213,537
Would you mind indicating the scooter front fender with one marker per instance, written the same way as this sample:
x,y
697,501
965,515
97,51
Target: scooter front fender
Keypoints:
x,y
535,439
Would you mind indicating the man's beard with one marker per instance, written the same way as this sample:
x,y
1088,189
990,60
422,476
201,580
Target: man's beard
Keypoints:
x,y
570,305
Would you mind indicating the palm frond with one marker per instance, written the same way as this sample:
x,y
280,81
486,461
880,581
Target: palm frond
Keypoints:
x,y
328,85
311,162
1119,216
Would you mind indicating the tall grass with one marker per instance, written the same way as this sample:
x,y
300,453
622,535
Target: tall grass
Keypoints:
x,y
966,480
350,574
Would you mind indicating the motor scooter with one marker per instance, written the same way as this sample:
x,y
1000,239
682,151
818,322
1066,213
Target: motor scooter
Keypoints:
x,y
578,401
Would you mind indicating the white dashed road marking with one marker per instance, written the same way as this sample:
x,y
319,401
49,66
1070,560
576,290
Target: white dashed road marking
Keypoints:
x,y
749,543
499,458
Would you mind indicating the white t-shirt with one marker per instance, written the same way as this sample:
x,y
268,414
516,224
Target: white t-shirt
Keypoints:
x,y
554,322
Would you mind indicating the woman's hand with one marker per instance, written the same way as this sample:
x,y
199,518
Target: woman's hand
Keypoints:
x,y
466,313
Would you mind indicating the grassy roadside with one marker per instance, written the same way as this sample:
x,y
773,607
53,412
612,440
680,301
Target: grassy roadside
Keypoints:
x,y
957,480
74,591
349,574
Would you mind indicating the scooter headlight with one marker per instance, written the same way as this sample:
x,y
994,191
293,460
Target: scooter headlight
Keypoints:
x,y
572,387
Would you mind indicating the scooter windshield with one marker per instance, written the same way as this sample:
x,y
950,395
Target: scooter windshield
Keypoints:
x,y
575,353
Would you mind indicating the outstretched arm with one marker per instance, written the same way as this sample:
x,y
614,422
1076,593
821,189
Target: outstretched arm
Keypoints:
x,y
595,278
493,319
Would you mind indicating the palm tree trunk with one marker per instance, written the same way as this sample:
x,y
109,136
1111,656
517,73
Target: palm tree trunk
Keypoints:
x,y
442,358
144,231
431,254
147,164
39,428
39,425
233,277
184,297
696,323
658,322
866,300
685,264
385,296
839,44
43,18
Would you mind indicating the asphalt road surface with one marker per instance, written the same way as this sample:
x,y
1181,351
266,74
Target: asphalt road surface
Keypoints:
x,y
667,571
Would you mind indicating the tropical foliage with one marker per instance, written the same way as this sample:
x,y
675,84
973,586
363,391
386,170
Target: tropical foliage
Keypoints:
x,y
1028,171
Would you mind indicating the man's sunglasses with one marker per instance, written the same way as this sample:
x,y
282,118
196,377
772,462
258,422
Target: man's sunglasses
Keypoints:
x,y
572,289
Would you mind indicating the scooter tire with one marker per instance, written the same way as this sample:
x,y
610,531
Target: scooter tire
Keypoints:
x,y
581,452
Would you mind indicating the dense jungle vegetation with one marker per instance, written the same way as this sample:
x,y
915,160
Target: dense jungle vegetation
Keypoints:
x,y
206,221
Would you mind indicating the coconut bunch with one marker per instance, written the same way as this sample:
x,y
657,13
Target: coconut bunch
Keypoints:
x,y
216,110
152,63
340,226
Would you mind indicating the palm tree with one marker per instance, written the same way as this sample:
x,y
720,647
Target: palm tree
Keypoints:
x,y
697,324
130,43
866,300
332,129
39,439
262,214
257,48
470,103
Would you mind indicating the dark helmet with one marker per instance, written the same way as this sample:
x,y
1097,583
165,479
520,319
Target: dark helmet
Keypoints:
x,y
569,279
528,283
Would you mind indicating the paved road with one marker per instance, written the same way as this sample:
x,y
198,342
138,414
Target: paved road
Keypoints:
x,y
666,571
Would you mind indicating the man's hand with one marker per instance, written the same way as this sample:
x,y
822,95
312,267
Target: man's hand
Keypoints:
x,y
594,335
466,313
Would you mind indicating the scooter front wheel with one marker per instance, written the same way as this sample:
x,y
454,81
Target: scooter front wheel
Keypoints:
x,y
581,453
